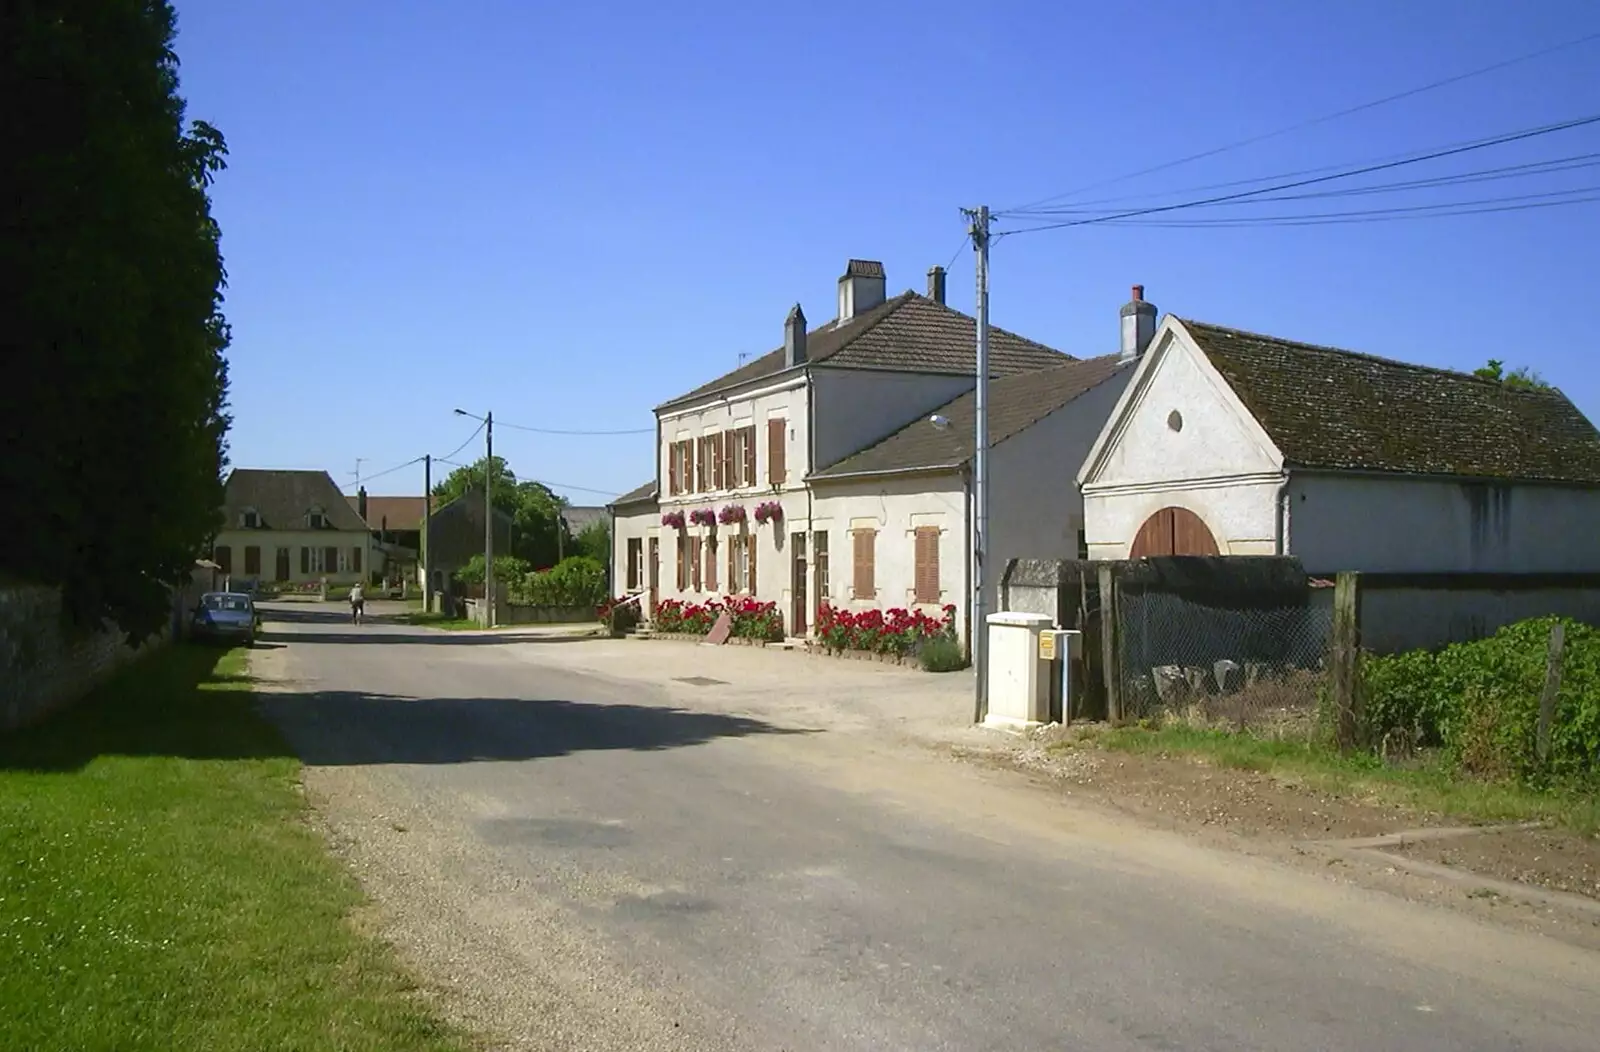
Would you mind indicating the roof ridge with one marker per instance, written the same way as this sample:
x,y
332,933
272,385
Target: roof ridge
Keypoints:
x,y
1367,356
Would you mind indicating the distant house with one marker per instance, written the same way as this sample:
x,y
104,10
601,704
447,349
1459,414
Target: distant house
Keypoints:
x,y
1236,443
290,527
396,524
456,534
827,481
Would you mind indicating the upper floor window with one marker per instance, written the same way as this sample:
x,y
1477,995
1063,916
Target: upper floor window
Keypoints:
x,y
317,519
249,519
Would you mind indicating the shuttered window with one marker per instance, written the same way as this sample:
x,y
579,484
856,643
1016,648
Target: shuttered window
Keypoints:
x,y
926,588
777,448
694,563
635,557
721,470
866,550
223,557
672,470
711,563
750,554
683,562
355,560
252,560
305,560
330,560
749,477
819,564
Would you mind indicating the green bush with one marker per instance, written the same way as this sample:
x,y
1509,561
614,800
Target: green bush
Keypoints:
x,y
507,568
574,581
943,654
1480,701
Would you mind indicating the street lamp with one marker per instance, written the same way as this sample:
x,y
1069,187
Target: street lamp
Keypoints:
x,y
488,513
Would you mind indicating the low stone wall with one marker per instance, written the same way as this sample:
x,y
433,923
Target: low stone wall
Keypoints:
x,y
42,668
516,614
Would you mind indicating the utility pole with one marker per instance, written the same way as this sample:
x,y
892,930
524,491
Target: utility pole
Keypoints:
x,y
488,520
978,626
427,515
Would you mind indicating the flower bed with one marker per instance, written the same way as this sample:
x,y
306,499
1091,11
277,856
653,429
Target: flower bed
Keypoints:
x,y
619,615
752,619
897,632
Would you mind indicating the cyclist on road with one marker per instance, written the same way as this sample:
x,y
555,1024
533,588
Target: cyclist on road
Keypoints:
x,y
358,603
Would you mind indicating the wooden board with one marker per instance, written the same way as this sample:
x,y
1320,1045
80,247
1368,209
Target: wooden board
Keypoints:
x,y
721,630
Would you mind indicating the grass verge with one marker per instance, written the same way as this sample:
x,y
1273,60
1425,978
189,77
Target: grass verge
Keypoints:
x,y
1423,787
161,889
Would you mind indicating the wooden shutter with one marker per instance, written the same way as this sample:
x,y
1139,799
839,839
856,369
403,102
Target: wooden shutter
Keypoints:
x,y
672,470
750,552
330,560
633,564
252,560
749,456
926,587
866,544
224,558
777,446
694,563
724,464
733,565
305,560
683,563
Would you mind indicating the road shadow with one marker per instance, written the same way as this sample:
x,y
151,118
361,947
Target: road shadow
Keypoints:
x,y
351,728
391,630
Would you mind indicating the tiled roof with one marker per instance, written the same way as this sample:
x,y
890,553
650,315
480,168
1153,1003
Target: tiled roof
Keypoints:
x,y
644,494
1333,409
284,498
1015,403
581,516
908,333
392,513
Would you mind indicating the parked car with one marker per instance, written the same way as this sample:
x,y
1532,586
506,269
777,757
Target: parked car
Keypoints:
x,y
226,617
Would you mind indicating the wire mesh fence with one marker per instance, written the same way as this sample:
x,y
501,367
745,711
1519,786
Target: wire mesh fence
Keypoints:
x,y
1262,669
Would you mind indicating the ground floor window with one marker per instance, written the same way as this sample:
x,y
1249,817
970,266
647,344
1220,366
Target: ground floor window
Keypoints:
x,y
741,563
635,562
819,564
223,557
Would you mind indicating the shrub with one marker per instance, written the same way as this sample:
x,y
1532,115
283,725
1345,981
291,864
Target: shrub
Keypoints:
x,y
575,581
752,618
506,568
896,631
1480,700
944,654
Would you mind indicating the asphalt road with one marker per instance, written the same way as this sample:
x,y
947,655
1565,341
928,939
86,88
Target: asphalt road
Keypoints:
x,y
587,861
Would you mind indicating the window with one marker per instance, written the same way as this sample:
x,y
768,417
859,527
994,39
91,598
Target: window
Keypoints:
x,y
330,560
749,477
355,560
223,557
777,448
865,583
252,560
635,562
710,544
305,560
283,565
926,582
741,563
317,519
680,466
696,550
739,457
702,463
819,563
249,519
683,562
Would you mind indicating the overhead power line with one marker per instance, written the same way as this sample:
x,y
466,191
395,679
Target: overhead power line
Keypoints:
x,y
558,431
390,471
1348,111
475,432
1500,140
1372,216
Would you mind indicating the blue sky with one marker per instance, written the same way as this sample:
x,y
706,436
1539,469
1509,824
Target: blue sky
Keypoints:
x,y
568,213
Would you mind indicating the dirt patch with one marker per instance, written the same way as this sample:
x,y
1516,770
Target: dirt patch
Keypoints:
x,y
1548,858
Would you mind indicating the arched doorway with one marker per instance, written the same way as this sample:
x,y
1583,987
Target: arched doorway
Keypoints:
x,y
1173,531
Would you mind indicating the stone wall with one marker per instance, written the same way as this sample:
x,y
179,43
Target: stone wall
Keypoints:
x,y
42,667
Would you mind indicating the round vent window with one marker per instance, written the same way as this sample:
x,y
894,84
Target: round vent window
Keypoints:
x,y
1175,420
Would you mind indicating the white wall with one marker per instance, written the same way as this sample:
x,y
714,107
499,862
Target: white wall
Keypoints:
x,y
635,522
1035,507
1216,461
1378,524
269,541
752,408
856,408
895,507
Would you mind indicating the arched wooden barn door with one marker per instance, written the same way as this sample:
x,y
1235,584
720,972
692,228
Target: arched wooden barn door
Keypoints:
x,y
1173,531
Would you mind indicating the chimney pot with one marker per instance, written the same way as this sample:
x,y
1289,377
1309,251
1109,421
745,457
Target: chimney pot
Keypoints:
x,y
936,285
1138,325
861,288
794,338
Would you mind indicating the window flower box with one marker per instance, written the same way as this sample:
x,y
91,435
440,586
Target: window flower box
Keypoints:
x,y
673,520
703,517
769,511
731,515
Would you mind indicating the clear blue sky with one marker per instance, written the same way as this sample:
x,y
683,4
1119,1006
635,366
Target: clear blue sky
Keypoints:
x,y
568,213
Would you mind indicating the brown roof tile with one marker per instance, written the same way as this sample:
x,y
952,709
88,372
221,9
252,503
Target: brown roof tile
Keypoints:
x,y
1015,403
283,499
644,494
908,333
392,513
1334,409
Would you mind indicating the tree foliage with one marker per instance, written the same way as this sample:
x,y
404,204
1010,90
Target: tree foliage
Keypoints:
x,y
594,542
114,402
538,534
1521,378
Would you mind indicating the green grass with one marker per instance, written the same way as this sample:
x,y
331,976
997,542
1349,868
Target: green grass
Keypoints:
x,y
160,887
1423,787
440,621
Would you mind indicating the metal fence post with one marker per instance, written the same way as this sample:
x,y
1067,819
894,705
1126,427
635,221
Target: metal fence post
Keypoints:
x,y
1110,649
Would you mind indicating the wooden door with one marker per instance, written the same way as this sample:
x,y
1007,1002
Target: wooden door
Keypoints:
x,y
800,586
283,565
655,572
1173,531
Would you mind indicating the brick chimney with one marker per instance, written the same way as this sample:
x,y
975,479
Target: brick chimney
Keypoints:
x,y
936,285
861,288
794,338
1138,325
361,503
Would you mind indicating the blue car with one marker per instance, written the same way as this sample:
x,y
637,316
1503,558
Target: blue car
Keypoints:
x,y
226,617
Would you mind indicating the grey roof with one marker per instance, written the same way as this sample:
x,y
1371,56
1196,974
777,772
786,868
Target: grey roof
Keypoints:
x,y
1333,409
581,516
645,494
283,499
1015,404
909,333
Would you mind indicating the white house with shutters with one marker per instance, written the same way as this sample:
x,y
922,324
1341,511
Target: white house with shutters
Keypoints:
x,y
290,527
835,469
